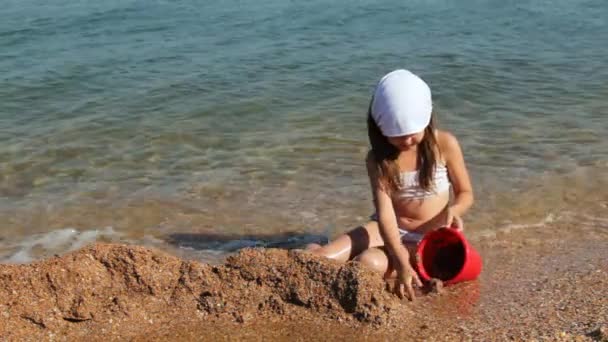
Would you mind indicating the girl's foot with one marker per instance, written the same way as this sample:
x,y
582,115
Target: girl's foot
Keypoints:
x,y
312,246
307,249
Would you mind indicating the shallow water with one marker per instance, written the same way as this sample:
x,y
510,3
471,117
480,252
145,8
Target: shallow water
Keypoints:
x,y
139,121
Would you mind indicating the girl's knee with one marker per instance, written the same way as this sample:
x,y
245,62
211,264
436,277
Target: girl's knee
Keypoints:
x,y
374,259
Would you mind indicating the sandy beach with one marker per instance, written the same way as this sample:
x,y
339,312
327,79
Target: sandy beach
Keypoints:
x,y
531,289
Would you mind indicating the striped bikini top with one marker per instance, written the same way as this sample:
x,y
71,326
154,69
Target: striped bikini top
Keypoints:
x,y
410,188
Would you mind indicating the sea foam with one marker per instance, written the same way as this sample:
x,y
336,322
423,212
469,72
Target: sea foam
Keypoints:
x,y
63,240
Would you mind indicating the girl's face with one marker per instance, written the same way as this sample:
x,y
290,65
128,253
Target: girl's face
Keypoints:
x,y
406,142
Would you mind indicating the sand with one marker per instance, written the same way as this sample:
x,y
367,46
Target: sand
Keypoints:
x,y
532,288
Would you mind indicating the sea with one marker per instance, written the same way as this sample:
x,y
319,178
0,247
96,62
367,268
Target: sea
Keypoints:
x,y
202,127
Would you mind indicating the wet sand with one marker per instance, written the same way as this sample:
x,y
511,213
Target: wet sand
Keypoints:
x,y
544,284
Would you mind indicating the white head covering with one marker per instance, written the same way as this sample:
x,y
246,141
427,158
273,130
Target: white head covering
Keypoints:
x,y
402,104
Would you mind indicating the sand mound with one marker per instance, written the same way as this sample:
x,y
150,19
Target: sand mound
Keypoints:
x,y
547,289
109,285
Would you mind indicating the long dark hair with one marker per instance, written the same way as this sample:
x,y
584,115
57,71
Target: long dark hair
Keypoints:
x,y
385,155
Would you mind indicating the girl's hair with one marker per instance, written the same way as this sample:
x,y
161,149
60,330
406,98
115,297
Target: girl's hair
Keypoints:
x,y
384,156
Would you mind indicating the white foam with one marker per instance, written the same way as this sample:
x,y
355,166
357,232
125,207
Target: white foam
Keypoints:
x,y
588,220
63,240
565,216
509,227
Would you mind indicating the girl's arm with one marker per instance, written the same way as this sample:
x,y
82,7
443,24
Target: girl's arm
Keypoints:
x,y
387,221
387,224
459,176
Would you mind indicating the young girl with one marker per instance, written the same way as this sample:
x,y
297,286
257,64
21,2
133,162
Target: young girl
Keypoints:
x,y
411,166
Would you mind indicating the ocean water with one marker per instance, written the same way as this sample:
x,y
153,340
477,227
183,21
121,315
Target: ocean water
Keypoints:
x,y
203,127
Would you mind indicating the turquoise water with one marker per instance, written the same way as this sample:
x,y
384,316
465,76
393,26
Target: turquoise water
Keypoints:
x,y
143,121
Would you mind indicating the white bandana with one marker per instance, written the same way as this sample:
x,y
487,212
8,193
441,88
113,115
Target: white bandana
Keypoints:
x,y
402,104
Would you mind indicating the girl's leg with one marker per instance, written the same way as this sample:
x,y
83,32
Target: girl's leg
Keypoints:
x,y
312,246
351,244
377,259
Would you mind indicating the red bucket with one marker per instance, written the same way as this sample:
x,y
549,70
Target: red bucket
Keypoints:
x,y
445,254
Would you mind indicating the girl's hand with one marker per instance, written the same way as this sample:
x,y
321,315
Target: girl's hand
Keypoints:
x,y
453,221
406,277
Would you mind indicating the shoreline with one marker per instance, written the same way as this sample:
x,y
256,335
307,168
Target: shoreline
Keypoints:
x,y
533,286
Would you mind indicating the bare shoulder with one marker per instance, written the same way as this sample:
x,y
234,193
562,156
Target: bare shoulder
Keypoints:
x,y
370,156
448,143
370,160
449,146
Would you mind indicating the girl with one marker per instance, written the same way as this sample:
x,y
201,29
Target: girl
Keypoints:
x,y
411,166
